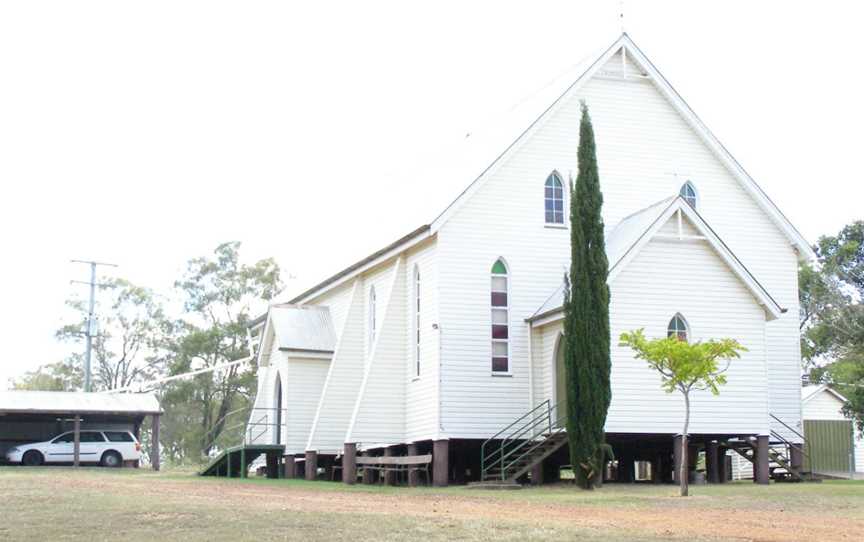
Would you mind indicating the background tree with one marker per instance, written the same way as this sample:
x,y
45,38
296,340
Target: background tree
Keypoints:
x,y
833,316
220,295
60,376
130,339
685,367
587,360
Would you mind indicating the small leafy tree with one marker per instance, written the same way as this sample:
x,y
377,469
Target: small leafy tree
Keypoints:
x,y
685,367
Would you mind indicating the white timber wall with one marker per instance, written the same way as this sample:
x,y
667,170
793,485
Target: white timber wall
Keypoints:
x,y
686,277
665,278
302,386
379,413
504,218
339,394
421,398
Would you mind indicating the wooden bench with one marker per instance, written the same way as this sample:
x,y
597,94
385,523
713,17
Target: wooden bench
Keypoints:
x,y
398,464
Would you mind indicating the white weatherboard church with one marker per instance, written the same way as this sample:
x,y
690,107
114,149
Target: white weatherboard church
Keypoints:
x,y
442,339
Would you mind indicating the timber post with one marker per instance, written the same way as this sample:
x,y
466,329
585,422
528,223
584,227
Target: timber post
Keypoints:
x,y
311,466
722,470
273,470
243,468
796,458
349,463
76,458
762,461
389,476
413,474
440,462
290,467
537,474
712,461
154,444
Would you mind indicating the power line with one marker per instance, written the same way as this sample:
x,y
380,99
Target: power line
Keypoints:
x,y
90,316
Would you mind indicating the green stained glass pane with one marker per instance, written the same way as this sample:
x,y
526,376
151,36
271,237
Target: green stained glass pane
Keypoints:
x,y
498,268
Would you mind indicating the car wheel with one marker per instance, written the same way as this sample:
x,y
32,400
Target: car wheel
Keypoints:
x,y
32,458
111,459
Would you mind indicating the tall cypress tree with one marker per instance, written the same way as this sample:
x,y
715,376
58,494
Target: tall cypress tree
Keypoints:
x,y
586,324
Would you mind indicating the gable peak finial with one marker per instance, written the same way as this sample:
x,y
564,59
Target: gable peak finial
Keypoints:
x,y
621,16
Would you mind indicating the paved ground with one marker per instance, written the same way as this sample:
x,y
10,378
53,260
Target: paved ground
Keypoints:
x,y
100,504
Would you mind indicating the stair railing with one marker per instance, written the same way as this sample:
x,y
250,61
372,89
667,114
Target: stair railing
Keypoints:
x,y
804,447
519,439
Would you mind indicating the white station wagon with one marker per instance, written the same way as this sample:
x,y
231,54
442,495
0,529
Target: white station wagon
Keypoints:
x,y
107,448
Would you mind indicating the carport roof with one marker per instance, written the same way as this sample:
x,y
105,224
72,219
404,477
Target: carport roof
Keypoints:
x,y
69,402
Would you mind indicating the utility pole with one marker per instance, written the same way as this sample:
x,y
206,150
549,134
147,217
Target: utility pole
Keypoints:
x,y
90,316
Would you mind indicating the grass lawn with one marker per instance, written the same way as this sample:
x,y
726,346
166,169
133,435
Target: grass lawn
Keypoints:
x,y
52,503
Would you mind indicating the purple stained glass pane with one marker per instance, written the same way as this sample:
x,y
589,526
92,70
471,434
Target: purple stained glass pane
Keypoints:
x,y
559,205
499,299
550,216
550,204
549,192
499,365
500,331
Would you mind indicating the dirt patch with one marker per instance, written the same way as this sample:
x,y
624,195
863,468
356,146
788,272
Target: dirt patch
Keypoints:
x,y
666,517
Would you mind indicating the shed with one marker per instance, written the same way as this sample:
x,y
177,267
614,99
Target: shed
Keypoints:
x,y
35,416
835,446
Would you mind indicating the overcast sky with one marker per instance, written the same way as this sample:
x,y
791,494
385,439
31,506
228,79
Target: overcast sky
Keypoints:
x,y
146,133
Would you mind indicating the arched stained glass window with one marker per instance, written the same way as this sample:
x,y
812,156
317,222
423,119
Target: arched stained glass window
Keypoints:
x,y
678,328
554,199
688,192
500,318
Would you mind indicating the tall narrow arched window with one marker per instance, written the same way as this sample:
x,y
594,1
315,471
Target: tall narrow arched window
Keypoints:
x,y
372,317
416,321
688,192
678,328
500,300
553,193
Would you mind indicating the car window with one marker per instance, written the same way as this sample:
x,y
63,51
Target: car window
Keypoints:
x,y
65,437
91,436
119,436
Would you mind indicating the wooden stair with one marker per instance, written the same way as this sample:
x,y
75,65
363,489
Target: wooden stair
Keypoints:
x,y
234,462
780,464
522,445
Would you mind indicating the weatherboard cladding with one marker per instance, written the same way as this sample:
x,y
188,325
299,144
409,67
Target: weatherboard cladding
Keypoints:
x,y
646,150
503,218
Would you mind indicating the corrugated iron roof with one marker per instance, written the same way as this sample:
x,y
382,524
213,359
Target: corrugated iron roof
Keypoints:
x,y
22,401
303,328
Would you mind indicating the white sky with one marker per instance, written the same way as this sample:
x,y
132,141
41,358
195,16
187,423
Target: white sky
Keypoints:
x,y
146,133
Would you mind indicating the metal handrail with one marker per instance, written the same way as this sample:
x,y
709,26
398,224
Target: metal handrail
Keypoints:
x,y
784,424
525,443
514,438
804,447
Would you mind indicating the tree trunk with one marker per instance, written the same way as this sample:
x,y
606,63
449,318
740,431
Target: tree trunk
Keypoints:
x,y
684,468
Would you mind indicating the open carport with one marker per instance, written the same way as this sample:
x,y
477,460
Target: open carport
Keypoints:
x,y
35,416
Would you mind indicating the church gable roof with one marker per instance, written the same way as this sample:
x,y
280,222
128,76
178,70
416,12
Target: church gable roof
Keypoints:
x,y
481,152
490,147
626,239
